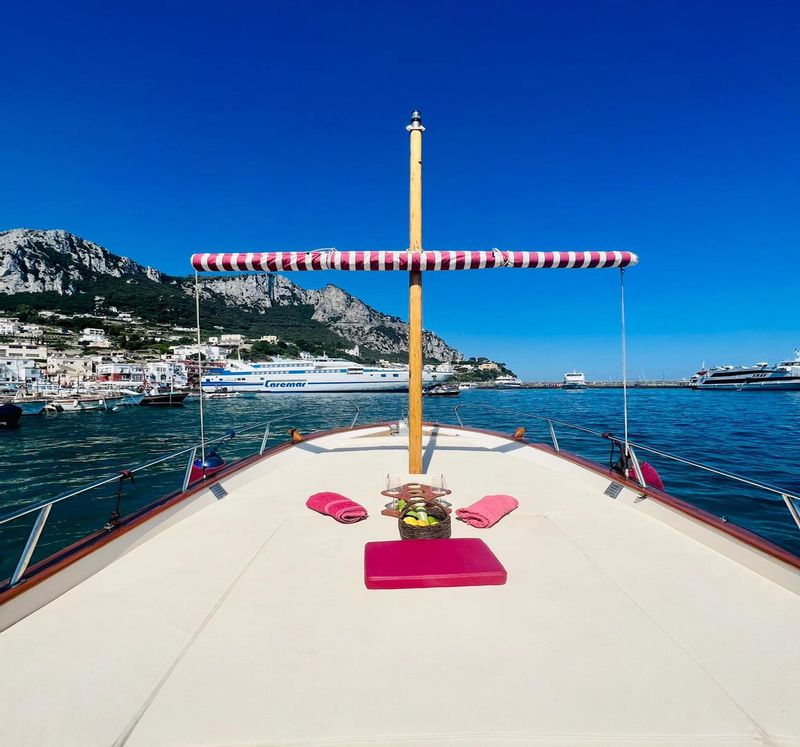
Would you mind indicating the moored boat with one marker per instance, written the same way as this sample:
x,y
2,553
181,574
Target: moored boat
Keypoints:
x,y
28,404
784,376
311,375
442,390
221,393
574,380
157,398
85,403
9,415
507,382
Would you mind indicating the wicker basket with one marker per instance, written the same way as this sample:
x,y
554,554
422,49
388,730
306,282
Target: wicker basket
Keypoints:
x,y
434,531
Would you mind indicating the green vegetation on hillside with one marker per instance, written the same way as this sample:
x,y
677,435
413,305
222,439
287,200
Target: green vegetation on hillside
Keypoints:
x,y
477,374
169,304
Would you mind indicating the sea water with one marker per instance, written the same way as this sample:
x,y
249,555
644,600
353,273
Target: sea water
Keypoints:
x,y
754,434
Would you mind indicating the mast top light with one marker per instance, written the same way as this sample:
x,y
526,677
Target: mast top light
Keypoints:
x,y
416,121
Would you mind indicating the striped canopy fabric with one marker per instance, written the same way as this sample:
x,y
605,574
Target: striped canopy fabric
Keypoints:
x,y
332,259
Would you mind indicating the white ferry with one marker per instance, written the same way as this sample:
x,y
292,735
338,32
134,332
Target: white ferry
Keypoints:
x,y
574,380
507,382
760,377
314,375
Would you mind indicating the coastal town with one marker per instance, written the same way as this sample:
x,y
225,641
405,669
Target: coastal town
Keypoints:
x,y
47,351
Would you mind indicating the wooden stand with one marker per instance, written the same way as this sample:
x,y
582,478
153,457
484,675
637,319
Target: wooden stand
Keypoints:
x,y
415,491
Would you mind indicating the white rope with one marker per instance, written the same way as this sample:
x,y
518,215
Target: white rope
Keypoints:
x,y
624,359
199,370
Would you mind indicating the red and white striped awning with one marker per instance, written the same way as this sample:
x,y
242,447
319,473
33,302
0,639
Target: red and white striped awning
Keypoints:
x,y
332,259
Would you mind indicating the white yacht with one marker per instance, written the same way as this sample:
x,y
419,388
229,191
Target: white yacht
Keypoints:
x,y
600,611
761,377
313,375
574,380
507,382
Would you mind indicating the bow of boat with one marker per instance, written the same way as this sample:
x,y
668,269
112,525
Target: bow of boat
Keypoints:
x,y
246,620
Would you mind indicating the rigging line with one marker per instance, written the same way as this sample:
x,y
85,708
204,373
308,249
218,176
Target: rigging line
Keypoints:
x,y
200,371
624,360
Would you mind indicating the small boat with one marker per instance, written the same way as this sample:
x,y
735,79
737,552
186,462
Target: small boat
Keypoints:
x,y
78,403
129,399
169,398
220,394
465,385
442,390
574,380
9,415
29,405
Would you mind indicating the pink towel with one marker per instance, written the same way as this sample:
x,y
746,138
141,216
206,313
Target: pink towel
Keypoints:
x,y
340,508
487,511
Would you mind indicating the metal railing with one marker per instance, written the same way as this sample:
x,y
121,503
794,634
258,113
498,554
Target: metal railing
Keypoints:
x,y
790,499
42,508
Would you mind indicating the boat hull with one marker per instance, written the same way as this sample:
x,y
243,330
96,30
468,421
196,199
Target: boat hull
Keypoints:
x,y
85,405
10,415
32,406
308,386
792,385
167,399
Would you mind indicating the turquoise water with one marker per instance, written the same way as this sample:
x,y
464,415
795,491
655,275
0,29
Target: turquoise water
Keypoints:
x,y
753,434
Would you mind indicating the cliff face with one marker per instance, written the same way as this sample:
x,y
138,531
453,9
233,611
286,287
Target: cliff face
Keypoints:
x,y
58,262
340,311
39,261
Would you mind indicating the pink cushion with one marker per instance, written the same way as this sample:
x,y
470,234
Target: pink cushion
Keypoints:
x,y
414,564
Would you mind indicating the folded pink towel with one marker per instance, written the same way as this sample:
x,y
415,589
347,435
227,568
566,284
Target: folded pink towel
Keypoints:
x,y
340,508
487,511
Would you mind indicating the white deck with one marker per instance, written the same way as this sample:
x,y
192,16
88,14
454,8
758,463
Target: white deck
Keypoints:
x,y
248,623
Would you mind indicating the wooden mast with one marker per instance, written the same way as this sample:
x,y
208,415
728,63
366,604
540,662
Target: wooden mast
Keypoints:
x,y
415,359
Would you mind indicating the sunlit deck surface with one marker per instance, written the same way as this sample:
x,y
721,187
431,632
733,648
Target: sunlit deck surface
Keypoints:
x,y
248,623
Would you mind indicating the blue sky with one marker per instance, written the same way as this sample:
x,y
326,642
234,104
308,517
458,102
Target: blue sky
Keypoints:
x,y
671,129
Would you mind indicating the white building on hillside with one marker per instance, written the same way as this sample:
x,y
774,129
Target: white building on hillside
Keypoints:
x,y
166,373
9,326
95,338
21,350
16,371
210,352
231,339
130,373
72,366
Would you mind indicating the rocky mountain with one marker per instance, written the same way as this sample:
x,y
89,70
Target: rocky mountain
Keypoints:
x,y
39,261
57,270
